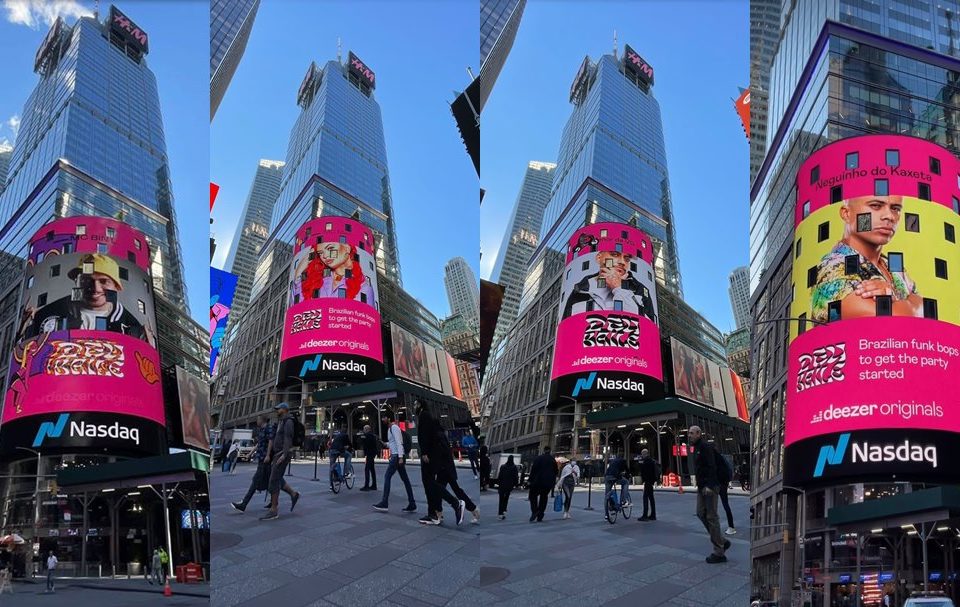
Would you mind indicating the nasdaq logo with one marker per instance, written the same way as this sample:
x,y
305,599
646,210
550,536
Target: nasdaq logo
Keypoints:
x,y
584,383
831,455
311,365
51,429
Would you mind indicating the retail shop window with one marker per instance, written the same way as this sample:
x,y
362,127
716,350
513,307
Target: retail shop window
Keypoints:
x,y
853,160
884,305
833,311
929,308
893,158
949,232
124,274
911,222
815,174
940,268
923,191
836,194
811,277
41,299
799,248
802,328
805,211
54,271
823,231
881,187
934,165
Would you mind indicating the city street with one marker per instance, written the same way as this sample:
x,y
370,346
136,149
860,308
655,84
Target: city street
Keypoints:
x,y
586,561
335,549
86,592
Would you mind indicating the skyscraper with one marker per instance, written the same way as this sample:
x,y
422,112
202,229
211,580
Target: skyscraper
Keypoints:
x,y
6,152
499,22
252,230
839,69
519,240
463,291
764,31
740,296
230,24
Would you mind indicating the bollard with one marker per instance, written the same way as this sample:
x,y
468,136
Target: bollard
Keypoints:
x,y
589,493
315,466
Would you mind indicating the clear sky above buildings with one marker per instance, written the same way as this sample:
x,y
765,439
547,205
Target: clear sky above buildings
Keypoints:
x,y
419,52
179,57
700,54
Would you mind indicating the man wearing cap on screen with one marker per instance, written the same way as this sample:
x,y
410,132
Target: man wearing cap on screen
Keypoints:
x,y
93,306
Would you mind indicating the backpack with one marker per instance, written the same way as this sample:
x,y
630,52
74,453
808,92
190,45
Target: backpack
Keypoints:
x,y
724,469
299,432
407,443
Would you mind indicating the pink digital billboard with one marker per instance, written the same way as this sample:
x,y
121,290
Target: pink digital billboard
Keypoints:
x,y
332,326
872,392
608,340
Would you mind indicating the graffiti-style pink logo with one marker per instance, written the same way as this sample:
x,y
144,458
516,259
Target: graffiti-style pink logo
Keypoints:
x,y
86,357
822,366
306,321
612,330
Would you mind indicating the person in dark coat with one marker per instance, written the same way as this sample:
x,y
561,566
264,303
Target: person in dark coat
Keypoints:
x,y
484,464
371,445
543,477
648,474
507,478
431,458
447,476
708,488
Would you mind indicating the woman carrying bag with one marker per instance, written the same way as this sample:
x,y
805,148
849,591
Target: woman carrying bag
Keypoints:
x,y
569,477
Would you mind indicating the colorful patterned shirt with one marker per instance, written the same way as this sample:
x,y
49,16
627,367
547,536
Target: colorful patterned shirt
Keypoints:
x,y
833,282
264,436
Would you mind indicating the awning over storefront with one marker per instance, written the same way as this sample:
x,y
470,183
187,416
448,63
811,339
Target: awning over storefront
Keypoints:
x,y
658,408
172,468
391,387
927,505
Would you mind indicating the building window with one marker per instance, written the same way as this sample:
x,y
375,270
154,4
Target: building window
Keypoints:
x,y
799,248
884,305
30,282
131,256
929,308
619,248
880,187
956,204
124,274
55,271
833,311
617,305
851,264
912,222
101,247
823,231
67,248
934,165
864,222
343,240
142,307
895,262
853,160
363,298
923,191
81,230
136,244
811,277
949,232
603,233
802,324
815,174
893,158
585,266
342,293
940,268
836,194
806,209
348,227
42,299
111,233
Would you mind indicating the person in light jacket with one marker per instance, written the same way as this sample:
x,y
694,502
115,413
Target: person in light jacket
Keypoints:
x,y
569,477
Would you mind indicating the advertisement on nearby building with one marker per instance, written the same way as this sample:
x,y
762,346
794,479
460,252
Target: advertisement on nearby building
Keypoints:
x,y
421,363
360,70
85,372
873,390
222,287
699,379
742,104
636,64
608,341
332,324
194,410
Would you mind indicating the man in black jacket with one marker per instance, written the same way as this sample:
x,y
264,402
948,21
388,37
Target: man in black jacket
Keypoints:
x,y
543,476
430,445
708,486
370,447
648,474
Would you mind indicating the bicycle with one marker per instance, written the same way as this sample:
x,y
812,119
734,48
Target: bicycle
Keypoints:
x,y
616,505
338,478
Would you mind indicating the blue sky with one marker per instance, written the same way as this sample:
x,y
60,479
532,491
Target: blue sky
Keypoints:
x,y
179,56
419,52
700,54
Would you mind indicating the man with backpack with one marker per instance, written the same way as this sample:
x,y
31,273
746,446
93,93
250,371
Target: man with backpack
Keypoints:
x,y
725,473
708,487
279,455
399,451
649,474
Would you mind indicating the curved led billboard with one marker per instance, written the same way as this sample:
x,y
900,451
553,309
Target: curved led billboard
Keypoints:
x,y
608,341
332,325
873,386
85,372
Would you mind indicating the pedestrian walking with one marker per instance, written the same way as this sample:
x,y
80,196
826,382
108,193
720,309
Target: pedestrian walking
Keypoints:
x,y
447,476
508,477
484,464
322,445
261,478
543,477
725,476
471,444
429,434
708,487
277,458
569,477
164,561
232,454
649,475
51,567
371,444
155,567
397,464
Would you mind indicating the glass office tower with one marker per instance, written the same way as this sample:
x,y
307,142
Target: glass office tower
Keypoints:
x,y
230,24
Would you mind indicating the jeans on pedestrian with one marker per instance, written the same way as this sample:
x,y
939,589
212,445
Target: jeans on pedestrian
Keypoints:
x,y
370,472
393,466
538,501
474,461
567,487
726,505
707,513
504,498
649,501
49,580
624,491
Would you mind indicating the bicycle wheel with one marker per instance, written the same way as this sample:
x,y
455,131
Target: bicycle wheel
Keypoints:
x,y
627,510
335,480
348,477
612,509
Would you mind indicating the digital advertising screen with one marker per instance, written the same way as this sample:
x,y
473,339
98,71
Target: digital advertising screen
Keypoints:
x,y
873,387
417,361
222,288
194,410
85,372
332,324
608,339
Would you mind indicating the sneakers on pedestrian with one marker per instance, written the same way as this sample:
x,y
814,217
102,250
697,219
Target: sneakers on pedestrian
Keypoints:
x,y
364,489
460,510
294,500
410,508
716,558
501,516
643,518
238,506
270,516
475,517
731,531
533,517
429,520
726,544
380,507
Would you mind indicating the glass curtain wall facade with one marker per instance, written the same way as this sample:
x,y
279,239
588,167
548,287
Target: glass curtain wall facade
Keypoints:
x,y
230,24
499,22
841,68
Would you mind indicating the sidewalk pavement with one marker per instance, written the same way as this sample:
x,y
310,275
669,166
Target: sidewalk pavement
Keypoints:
x,y
104,592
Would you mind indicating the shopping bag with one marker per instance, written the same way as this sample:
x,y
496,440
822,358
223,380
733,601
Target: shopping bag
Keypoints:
x,y
558,502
